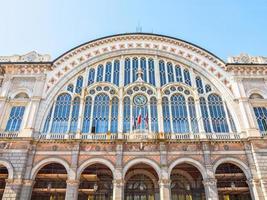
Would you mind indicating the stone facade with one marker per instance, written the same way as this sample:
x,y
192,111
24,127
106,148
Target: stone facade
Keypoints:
x,y
23,153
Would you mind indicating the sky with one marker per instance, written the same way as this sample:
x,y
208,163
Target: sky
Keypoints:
x,y
223,27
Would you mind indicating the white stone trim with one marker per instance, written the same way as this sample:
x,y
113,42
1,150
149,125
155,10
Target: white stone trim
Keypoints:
x,y
9,167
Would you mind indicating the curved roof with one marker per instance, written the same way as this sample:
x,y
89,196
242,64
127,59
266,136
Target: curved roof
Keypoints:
x,y
149,34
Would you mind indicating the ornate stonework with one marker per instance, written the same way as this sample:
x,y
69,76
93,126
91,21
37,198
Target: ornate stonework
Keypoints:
x,y
244,58
32,56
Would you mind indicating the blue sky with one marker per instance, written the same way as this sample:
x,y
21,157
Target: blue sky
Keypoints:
x,y
224,27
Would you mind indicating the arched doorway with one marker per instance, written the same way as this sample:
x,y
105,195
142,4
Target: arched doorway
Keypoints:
x,y
96,183
50,183
3,177
186,183
141,183
231,183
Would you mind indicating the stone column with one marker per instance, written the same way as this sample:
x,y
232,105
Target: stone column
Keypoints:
x,y
211,192
12,189
165,189
120,114
72,190
118,189
26,190
255,189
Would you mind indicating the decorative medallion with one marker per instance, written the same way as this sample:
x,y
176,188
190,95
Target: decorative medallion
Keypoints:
x,y
140,100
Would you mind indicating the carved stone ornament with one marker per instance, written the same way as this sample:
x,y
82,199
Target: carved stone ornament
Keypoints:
x,y
244,58
32,56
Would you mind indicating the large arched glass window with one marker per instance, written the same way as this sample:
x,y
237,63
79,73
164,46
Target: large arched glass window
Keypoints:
x,y
154,115
127,71
170,72
75,115
166,115
126,114
178,73
47,121
135,68
91,76
101,114
114,115
205,115
79,85
61,114
151,71
187,78
199,84
87,115
217,113
100,70
162,73
143,67
193,116
116,75
108,72
179,114
15,118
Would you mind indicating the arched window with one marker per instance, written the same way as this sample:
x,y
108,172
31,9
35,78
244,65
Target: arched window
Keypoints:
x,y
179,114
87,115
101,114
187,78
256,96
144,70
75,115
151,71
61,114
79,85
261,116
199,85
154,115
170,72
116,76
127,71
193,116
205,115
108,72
207,88
114,115
135,68
178,73
126,114
162,73
70,88
91,76
15,118
166,115
217,113
100,70
47,121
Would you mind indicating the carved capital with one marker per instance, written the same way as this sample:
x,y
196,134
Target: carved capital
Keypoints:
x,y
209,182
73,182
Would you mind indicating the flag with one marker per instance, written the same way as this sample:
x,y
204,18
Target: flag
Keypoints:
x,y
139,118
146,120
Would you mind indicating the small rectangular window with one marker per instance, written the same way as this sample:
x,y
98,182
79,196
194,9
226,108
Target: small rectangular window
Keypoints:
x,y
15,118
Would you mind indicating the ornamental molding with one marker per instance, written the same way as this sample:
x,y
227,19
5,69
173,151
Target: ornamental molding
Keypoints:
x,y
25,69
32,56
248,70
244,58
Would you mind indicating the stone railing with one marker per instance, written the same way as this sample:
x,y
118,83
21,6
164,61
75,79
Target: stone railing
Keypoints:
x,y
140,135
4,134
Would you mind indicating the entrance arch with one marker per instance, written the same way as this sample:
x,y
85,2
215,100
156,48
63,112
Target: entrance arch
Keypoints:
x,y
186,183
96,183
232,182
141,183
3,176
50,182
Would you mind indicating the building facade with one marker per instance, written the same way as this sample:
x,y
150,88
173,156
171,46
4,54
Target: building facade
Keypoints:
x,y
135,117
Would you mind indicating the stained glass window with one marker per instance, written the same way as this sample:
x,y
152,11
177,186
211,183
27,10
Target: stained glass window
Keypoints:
x,y
114,115
116,76
261,116
91,76
151,72
127,71
15,118
100,70
79,84
108,72
170,72
162,73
